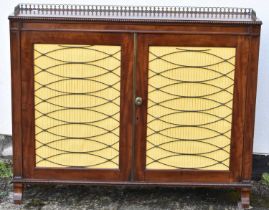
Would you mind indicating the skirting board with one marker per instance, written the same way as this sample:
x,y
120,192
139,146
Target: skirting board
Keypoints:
x,y
260,165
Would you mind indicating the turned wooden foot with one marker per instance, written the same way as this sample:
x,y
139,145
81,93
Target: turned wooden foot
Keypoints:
x,y
245,198
17,190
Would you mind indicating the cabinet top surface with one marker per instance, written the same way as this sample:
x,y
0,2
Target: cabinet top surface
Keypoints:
x,y
175,14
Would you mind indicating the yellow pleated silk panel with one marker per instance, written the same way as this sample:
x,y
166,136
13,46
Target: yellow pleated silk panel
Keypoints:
x,y
190,98
77,105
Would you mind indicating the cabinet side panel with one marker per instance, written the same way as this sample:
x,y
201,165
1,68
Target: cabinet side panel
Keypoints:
x,y
190,103
77,105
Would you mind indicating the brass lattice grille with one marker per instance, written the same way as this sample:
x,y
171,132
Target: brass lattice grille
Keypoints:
x,y
190,97
77,104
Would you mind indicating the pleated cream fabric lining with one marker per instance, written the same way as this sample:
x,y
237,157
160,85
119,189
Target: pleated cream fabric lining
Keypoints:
x,y
190,101
77,105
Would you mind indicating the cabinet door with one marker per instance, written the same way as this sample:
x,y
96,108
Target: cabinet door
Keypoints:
x,y
190,125
75,89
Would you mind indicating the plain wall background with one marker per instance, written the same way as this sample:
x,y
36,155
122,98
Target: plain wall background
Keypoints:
x,y
261,138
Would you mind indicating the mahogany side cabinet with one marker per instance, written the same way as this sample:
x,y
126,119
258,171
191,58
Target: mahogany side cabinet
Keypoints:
x,y
133,95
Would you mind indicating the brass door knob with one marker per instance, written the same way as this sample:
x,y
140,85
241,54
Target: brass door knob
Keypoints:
x,y
138,101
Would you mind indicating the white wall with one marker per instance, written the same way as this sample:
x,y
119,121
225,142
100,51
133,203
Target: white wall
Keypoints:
x,y
261,140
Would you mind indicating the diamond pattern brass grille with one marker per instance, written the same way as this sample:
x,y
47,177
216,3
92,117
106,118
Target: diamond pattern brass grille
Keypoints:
x,y
77,104
190,98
